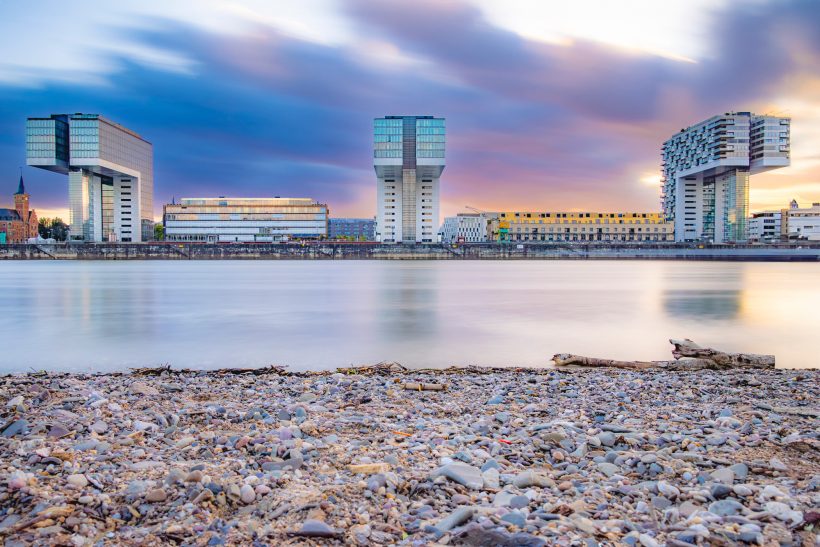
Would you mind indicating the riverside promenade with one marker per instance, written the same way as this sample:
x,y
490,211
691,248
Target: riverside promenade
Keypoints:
x,y
375,251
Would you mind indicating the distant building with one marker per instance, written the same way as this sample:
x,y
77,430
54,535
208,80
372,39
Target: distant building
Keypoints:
x,y
20,223
234,220
359,229
802,224
110,174
581,227
408,155
465,228
706,169
766,226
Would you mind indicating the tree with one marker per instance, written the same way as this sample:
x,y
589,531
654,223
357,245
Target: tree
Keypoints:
x,y
53,228
159,232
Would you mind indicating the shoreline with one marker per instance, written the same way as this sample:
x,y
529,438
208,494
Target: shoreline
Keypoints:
x,y
379,455
807,252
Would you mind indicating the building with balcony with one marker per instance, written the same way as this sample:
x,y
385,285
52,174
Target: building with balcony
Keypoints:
x,y
537,226
357,229
766,226
244,220
20,223
408,156
465,228
110,174
706,170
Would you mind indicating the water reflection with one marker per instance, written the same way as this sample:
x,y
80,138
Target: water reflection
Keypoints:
x,y
310,315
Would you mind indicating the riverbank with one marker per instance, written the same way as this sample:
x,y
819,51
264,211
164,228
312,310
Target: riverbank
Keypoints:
x,y
375,251
475,456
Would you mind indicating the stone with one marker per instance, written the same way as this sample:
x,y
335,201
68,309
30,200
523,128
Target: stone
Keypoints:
x,y
518,502
77,480
99,427
361,534
456,518
15,428
463,474
247,494
315,528
781,511
724,475
726,507
492,479
532,478
720,491
156,495
141,388
515,518
608,469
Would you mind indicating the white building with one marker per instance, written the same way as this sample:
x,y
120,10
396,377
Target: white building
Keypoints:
x,y
110,174
706,169
464,228
803,224
765,226
408,155
244,220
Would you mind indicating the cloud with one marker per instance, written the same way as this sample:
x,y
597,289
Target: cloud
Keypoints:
x,y
264,110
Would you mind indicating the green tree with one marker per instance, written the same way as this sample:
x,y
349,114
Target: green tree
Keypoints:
x,y
53,228
159,232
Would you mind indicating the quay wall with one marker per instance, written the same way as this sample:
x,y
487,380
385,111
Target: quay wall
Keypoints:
x,y
375,251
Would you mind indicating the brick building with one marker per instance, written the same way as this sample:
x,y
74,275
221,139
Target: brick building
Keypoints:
x,y
20,223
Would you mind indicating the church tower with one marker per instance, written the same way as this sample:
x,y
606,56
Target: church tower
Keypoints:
x,y
21,200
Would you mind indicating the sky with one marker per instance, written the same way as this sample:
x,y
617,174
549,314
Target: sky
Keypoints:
x,y
550,105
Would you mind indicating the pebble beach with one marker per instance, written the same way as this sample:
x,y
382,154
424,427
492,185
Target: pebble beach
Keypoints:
x,y
509,457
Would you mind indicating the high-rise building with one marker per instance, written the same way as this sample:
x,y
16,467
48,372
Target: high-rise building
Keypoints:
x,y
408,155
110,174
706,169
238,220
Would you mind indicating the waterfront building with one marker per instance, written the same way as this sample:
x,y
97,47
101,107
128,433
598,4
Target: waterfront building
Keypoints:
x,y
580,227
244,220
802,224
706,170
766,226
359,229
465,228
19,223
110,174
408,156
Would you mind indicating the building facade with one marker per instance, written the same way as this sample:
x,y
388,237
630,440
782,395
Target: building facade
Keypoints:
x,y
706,170
802,224
358,229
465,228
766,226
586,227
20,223
408,156
110,174
244,220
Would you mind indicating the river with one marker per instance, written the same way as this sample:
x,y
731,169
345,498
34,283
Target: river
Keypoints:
x,y
108,315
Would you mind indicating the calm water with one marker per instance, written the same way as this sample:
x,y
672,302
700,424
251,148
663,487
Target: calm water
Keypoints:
x,y
111,315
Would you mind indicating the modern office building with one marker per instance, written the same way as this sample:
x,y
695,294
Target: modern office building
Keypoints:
x,y
580,227
802,224
706,170
465,228
110,174
766,226
357,229
20,223
244,220
408,155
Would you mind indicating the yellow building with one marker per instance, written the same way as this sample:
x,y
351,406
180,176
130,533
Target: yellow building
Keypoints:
x,y
578,226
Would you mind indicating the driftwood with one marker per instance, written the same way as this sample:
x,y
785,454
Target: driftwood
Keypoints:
x,y
424,387
687,354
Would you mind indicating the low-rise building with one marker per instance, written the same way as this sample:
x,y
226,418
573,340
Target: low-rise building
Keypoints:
x,y
802,224
20,223
235,220
581,227
465,228
766,226
357,229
